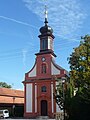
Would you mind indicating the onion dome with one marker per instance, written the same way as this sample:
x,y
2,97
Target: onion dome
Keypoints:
x,y
46,29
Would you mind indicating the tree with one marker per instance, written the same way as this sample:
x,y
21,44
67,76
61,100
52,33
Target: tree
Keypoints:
x,y
79,62
62,94
5,85
76,100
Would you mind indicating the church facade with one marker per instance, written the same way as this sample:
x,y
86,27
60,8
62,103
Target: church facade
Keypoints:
x,y
40,81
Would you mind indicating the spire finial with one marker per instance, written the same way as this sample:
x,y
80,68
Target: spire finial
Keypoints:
x,y
46,13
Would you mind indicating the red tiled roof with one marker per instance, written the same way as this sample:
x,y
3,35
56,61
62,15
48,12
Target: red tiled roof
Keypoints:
x,y
11,96
11,92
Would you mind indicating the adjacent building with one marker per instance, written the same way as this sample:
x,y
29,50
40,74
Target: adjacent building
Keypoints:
x,y
13,100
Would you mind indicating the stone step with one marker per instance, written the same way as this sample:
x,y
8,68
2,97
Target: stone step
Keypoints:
x,y
44,118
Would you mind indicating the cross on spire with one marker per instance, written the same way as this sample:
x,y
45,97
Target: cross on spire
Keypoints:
x,y
46,13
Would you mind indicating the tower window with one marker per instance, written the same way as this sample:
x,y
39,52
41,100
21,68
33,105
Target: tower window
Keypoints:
x,y
44,44
43,89
43,68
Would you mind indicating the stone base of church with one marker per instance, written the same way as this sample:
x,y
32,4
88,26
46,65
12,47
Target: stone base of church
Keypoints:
x,y
35,115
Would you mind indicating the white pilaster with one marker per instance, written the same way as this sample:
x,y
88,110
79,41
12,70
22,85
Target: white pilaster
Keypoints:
x,y
52,97
28,97
35,98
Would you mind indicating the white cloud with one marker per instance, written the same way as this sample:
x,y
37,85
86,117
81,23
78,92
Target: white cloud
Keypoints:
x,y
65,16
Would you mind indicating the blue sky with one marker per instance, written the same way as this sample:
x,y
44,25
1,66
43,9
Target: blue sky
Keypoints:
x,y
20,21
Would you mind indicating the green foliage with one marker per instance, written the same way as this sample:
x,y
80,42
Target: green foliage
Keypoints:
x,y
76,99
62,93
79,108
5,85
79,61
58,95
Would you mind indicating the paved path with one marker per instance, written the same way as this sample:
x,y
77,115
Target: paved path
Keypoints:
x,y
30,119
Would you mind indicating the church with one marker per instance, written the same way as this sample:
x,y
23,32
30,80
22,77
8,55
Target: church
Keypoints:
x,y
40,81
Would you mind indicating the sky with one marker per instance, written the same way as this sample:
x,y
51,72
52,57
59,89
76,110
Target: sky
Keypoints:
x,y
20,21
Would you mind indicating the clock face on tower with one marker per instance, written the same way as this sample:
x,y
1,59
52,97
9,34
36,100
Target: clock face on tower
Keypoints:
x,y
43,59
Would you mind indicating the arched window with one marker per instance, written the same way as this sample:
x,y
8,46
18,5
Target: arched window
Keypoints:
x,y
43,89
43,68
44,44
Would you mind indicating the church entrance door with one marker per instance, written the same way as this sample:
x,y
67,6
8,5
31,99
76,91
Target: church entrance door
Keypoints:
x,y
44,108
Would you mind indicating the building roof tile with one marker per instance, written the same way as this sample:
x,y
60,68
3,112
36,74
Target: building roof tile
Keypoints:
x,y
11,96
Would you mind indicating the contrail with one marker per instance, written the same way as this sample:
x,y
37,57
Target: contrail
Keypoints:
x,y
19,22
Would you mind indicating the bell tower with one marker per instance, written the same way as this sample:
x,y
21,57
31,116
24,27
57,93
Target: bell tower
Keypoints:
x,y
46,37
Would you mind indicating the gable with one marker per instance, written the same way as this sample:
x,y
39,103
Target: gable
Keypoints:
x,y
54,70
32,73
